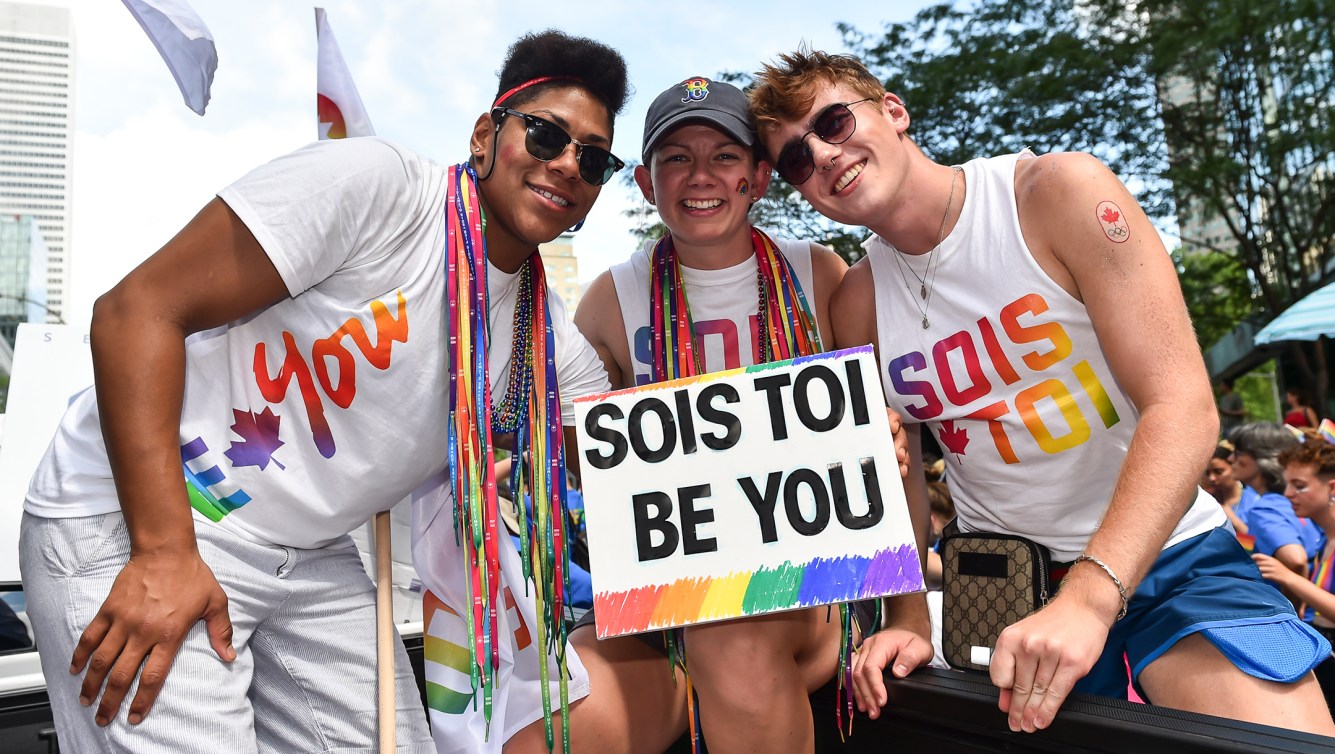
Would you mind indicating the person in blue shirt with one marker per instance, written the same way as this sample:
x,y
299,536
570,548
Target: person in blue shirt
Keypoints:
x,y
1264,510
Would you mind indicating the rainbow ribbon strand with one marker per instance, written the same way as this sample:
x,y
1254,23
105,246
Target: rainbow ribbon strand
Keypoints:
x,y
531,409
787,329
671,327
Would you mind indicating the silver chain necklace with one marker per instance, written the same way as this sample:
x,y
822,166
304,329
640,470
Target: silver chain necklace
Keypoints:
x,y
928,277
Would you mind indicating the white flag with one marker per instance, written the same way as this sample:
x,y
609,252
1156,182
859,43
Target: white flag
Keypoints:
x,y
337,104
184,42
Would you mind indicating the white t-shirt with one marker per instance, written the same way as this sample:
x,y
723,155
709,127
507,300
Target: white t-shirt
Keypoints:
x,y
304,419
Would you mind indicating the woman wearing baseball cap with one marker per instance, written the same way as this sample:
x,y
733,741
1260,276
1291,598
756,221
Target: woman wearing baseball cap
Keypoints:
x,y
711,273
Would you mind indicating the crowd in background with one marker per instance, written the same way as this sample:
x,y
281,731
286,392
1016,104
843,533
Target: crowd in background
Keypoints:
x,y
1276,483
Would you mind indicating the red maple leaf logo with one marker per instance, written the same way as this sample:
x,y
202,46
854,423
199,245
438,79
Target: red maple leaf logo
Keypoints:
x,y
955,440
259,439
1109,216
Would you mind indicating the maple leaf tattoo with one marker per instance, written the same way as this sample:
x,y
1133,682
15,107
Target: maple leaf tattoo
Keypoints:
x,y
955,440
1113,222
259,439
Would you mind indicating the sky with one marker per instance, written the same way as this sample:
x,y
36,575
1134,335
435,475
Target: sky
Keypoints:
x,y
144,163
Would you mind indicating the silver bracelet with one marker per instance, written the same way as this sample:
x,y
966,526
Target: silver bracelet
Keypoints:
x,y
1121,590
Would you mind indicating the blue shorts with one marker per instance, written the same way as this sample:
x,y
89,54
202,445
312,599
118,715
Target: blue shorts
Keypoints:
x,y
1207,584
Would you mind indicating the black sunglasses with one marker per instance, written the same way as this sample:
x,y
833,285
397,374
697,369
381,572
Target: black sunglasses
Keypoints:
x,y
833,126
545,141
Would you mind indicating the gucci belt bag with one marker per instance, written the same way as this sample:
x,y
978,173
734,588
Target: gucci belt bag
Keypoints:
x,y
990,581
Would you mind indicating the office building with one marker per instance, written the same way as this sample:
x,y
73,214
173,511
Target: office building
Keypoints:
x,y
36,131
558,261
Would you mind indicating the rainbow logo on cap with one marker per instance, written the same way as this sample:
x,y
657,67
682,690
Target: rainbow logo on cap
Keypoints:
x,y
696,89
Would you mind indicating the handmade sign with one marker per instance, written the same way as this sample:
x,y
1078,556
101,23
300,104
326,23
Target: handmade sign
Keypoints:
x,y
771,487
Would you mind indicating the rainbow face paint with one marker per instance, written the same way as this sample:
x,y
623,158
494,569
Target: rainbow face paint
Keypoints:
x,y
743,187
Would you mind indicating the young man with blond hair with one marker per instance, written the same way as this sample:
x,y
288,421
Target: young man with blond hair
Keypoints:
x,y
1024,309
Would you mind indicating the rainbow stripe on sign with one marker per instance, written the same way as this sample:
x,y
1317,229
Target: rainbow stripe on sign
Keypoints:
x,y
819,582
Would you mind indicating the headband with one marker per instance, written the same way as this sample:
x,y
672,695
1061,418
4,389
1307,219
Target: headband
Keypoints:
x,y
527,84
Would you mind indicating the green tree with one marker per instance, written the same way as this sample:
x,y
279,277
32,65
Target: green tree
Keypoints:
x,y
1217,292
647,226
1258,392
1224,105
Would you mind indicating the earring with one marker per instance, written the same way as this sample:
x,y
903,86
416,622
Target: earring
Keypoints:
x,y
477,149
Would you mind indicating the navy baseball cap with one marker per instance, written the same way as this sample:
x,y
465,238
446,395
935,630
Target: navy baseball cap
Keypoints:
x,y
698,100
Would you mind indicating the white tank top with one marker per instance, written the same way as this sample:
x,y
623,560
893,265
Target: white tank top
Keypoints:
x,y
1009,377
724,306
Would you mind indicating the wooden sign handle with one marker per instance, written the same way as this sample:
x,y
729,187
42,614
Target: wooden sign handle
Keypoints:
x,y
384,614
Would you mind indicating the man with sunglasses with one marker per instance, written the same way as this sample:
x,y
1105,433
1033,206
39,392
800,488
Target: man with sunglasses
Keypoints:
x,y
300,356
545,141
1024,308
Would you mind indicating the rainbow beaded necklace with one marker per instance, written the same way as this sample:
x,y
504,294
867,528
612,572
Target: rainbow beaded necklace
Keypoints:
x,y
786,330
532,410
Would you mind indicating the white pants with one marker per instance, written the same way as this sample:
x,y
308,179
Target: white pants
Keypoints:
x,y
304,679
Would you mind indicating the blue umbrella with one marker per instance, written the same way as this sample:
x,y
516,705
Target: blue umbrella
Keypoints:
x,y
1309,319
